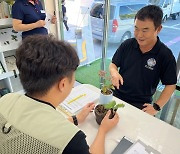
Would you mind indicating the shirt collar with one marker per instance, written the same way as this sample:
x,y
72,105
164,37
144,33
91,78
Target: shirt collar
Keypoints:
x,y
40,101
35,1
26,2
154,50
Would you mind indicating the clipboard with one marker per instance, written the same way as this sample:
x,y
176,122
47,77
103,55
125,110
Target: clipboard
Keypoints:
x,y
140,147
122,146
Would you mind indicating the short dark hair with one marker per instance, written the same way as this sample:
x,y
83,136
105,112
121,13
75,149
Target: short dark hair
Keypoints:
x,y
42,61
151,12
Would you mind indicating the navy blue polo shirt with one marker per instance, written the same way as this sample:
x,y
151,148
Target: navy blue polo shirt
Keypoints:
x,y
29,13
142,72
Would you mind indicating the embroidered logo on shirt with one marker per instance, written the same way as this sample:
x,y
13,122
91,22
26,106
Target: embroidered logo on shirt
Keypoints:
x,y
151,63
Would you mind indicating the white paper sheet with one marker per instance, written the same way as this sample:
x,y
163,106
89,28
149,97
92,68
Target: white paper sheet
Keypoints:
x,y
78,98
137,148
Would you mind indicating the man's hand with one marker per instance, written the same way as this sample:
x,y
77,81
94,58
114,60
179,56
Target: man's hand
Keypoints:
x,y
81,116
107,124
148,108
53,19
116,79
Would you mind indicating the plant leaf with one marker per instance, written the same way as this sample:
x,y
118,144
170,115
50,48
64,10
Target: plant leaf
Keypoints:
x,y
112,87
110,105
104,89
119,106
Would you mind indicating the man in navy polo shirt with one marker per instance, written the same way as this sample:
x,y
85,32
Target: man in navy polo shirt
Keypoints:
x,y
143,61
29,17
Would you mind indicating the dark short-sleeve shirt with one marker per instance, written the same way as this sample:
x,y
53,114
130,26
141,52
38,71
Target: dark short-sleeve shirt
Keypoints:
x,y
29,13
77,145
142,72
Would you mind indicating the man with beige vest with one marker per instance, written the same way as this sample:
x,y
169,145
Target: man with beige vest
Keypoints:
x,y
30,122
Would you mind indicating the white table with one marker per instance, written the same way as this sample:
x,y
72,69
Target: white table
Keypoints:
x,y
135,124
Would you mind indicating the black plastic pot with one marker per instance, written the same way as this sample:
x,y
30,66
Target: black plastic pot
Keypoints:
x,y
100,113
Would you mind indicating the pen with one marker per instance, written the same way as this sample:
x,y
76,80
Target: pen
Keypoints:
x,y
76,98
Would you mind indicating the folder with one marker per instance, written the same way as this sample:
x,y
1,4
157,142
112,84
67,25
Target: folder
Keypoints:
x,y
140,147
122,146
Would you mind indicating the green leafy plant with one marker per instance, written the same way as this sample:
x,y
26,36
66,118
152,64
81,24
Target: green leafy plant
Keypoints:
x,y
113,106
107,85
101,110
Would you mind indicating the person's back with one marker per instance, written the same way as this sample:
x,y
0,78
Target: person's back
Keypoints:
x,y
46,84
41,123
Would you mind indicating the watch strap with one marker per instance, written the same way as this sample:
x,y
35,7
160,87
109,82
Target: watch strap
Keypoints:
x,y
156,107
75,120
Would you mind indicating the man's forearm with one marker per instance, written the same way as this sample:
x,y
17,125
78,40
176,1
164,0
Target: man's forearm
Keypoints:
x,y
112,68
98,146
165,95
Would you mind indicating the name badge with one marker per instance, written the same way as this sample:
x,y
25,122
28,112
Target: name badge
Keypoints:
x,y
42,11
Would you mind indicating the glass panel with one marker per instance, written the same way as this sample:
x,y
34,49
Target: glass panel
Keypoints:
x,y
85,27
171,113
121,27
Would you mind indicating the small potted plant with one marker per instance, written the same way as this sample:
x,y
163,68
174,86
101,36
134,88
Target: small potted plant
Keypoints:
x,y
101,110
106,89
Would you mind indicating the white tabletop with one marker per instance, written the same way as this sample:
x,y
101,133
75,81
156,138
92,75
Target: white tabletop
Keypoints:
x,y
135,124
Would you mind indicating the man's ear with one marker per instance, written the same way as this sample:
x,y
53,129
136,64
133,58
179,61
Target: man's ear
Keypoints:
x,y
159,29
62,84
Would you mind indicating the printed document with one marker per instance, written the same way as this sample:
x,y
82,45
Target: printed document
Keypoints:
x,y
78,98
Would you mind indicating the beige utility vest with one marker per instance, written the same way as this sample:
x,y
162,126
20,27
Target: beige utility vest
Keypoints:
x,y
38,120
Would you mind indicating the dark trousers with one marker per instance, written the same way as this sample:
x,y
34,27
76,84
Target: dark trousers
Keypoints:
x,y
65,24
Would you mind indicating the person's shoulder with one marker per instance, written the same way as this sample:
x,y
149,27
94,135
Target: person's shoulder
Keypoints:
x,y
18,4
165,51
7,101
131,42
11,96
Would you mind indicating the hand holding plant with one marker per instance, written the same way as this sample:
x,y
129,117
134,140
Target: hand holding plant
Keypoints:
x,y
102,109
113,107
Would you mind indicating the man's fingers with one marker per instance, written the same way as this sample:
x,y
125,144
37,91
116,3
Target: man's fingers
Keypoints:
x,y
90,106
144,109
145,104
116,116
117,85
108,113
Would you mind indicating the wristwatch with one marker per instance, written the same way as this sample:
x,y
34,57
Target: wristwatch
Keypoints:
x,y
156,107
75,120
